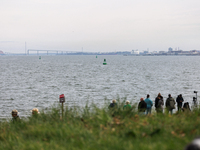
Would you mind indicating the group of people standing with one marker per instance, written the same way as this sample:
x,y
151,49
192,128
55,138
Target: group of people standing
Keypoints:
x,y
146,105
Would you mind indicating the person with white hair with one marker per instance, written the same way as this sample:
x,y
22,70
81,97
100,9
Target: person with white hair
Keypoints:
x,y
15,115
127,106
113,104
35,111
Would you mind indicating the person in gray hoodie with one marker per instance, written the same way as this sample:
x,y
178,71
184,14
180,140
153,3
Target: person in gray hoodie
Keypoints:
x,y
149,103
170,104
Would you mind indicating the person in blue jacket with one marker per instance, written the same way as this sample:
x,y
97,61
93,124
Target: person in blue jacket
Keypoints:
x,y
149,103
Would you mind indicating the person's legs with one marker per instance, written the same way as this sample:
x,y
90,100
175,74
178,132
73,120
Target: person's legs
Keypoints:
x,y
148,111
179,107
141,113
171,111
159,111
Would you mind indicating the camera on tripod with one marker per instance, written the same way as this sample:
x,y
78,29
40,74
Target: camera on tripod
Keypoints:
x,y
195,99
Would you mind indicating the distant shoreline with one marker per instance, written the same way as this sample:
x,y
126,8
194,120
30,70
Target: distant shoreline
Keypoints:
x,y
99,55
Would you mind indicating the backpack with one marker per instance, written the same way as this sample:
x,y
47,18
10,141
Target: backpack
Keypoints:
x,y
171,104
160,103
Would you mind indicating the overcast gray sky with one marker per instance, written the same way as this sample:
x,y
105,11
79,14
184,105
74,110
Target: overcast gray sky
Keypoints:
x,y
99,25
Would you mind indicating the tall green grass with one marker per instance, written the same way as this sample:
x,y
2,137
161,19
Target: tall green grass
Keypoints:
x,y
97,128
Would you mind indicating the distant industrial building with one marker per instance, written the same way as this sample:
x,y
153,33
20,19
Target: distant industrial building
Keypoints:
x,y
146,52
135,52
170,49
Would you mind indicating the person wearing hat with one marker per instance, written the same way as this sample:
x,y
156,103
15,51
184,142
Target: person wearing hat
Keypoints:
x,y
35,111
127,106
15,116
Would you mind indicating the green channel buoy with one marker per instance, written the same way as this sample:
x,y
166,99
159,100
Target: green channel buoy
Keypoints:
x,y
40,57
96,56
104,62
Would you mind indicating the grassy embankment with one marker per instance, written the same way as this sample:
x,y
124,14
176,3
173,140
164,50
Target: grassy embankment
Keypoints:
x,y
94,128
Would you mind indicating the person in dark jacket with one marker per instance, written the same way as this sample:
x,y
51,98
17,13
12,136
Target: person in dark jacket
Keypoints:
x,y
186,107
157,99
15,116
159,108
159,103
179,101
170,104
113,107
142,106
113,104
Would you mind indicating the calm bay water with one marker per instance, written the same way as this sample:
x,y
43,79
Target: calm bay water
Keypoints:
x,y
27,82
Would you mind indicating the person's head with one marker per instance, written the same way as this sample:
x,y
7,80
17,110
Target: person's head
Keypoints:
x,y
180,95
35,111
159,94
14,113
169,95
194,145
148,95
127,102
186,105
141,99
114,101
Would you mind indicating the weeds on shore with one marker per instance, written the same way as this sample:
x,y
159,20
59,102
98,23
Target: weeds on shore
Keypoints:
x,y
100,128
